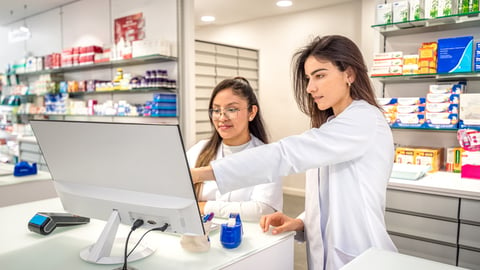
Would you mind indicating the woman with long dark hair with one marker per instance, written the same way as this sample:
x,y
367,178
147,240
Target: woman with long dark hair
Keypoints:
x,y
347,156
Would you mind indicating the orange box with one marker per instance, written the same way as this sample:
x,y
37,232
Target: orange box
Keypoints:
x,y
405,155
427,53
429,156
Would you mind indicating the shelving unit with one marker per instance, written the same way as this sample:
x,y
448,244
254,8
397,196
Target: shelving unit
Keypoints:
x,y
422,224
452,22
155,58
112,95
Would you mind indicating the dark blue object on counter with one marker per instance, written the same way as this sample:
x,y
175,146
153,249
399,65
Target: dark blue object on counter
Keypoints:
x,y
22,168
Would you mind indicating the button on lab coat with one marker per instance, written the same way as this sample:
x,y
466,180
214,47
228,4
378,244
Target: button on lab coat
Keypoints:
x,y
348,161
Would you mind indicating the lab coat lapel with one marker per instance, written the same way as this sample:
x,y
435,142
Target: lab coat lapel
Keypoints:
x,y
312,221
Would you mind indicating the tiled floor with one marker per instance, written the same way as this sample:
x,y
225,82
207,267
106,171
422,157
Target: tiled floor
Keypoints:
x,y
293,206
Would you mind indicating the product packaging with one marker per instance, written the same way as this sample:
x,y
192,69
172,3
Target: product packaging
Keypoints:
x,y
383,13
471,164
417,10
432,157
401,11
454,159
470,109
455,54
405,155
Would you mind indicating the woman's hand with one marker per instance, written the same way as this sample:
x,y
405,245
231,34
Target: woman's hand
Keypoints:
x,y
202,174
281,222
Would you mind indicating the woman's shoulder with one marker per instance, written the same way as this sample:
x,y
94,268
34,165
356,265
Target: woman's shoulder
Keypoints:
x,y
359,106
256,141
198,146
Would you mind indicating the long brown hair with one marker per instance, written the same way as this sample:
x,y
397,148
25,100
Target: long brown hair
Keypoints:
x,y
242,88
343,53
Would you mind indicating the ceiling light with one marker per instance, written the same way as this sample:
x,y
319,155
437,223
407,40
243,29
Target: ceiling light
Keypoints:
x,y
284,3
207,18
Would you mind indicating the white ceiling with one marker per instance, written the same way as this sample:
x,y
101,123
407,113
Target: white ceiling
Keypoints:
x,y
226,11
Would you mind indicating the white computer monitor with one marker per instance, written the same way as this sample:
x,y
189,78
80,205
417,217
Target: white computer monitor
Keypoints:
x,y
120,172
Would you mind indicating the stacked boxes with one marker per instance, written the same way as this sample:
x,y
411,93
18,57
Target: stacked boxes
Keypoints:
x,y
455,54
410,112
427,58
442,110
410,64
404,112
387,64
389,106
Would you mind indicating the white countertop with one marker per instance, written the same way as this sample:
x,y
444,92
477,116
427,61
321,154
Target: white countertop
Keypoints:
x,y
440,183
376,259
22,249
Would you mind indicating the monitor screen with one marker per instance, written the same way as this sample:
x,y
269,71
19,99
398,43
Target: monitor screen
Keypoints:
x,y
132,171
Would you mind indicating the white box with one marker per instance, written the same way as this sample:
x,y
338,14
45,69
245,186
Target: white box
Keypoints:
x,y
383,13
417,10
470,109
401,11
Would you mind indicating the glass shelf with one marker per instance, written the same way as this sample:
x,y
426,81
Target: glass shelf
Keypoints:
x,y
456,21
424,129
471,76
93,116
130,91
111,64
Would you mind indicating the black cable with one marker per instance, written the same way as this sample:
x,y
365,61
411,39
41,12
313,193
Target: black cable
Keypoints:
x,y
136,225
162,229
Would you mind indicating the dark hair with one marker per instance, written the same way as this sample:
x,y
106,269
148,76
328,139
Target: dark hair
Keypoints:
x,y
240,87
343,53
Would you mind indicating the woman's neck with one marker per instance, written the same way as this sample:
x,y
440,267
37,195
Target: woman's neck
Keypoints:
x,y
238,140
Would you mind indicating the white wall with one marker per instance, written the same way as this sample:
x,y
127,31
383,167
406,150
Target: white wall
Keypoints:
x,y
277,38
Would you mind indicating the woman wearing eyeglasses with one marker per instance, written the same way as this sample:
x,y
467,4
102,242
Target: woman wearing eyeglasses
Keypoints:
x,y
235,115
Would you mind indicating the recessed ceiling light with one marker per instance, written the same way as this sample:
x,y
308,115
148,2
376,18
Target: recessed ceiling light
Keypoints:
x,y
207,18
284,3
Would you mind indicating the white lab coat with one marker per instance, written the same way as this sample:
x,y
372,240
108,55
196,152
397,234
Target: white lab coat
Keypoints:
x,y
250,202
348,162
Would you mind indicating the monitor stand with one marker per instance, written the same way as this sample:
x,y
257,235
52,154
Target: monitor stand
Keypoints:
x,y
100,252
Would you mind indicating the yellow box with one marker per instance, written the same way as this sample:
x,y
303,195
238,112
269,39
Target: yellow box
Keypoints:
x,y
405,155
427,53
410,59
429,156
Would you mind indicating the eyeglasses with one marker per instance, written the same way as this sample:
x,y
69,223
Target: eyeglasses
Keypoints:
x,y
230,113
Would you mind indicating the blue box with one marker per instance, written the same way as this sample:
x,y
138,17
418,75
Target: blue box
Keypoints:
x,y
455,54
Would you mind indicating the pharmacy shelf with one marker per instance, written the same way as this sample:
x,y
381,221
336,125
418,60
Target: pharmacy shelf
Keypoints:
x,y
414,78
457,21
156,58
